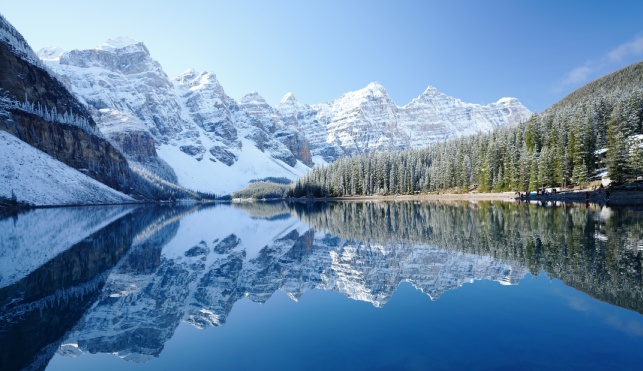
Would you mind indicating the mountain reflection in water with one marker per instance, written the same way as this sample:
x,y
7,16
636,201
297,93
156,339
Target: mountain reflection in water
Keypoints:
x,y
121,279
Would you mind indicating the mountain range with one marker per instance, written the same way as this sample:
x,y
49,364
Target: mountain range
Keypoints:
x,y
112,114
187,129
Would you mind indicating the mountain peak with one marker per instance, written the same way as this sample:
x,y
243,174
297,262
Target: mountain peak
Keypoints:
x,y
374,89
50,53
431,90
194,79
117,43
506,100
122,43
288,98
252,98
189,74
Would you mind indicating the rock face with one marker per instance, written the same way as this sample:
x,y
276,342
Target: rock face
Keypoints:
x,y
180,122
39,110
368,120
437,116
191,118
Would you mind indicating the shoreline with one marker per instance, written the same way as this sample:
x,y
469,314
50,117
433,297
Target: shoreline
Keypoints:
x,y
619,196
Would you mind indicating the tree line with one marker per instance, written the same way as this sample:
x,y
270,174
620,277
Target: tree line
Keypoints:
x,y
596,129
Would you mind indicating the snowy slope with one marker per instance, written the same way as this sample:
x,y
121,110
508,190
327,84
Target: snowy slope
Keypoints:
x,y
38,179
212,142
219,178
217,144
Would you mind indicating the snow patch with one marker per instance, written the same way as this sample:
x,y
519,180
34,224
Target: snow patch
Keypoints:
x,y
36,178
117,43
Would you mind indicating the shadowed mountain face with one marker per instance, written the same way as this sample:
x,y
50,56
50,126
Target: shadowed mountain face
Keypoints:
x,y
39,110
125,285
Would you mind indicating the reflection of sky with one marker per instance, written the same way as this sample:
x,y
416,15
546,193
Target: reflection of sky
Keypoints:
x,y
484,325
621,320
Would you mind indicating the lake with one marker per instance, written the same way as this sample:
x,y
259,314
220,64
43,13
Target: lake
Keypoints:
x,y
317,286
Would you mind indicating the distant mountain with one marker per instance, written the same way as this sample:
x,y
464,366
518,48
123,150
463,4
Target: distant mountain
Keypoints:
x,y
368,120
188,129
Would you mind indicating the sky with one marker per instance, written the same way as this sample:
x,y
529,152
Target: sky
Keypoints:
x,y
477,51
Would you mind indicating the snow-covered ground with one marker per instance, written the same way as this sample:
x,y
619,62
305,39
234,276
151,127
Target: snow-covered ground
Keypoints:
x,y
36,178
222,179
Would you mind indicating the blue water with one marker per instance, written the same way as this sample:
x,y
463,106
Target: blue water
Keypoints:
x,y
528,323
539,324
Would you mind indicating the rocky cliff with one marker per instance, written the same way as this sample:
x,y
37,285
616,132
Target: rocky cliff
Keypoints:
x,y
39,110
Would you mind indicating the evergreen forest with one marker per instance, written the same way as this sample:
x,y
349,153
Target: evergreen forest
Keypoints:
x,y
593,132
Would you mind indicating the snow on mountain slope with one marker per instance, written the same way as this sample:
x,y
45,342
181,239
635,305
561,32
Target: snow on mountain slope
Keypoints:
x,y
193,122
439,117
120,75
219,178
212,142
36,178
368,120
362,120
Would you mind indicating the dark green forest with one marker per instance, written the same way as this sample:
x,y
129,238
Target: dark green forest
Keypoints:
x,y
595,131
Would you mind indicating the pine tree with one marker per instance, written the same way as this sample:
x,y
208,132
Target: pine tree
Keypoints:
x,y
617,157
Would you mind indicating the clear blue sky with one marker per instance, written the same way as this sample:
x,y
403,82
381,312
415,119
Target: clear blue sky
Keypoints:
x,y
478,51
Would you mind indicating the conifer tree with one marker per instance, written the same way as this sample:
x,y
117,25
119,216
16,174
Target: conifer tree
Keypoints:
x,y
617,146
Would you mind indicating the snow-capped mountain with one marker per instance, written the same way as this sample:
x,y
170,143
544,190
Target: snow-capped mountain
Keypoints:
x,y
210,142
368,120
214,143
437,116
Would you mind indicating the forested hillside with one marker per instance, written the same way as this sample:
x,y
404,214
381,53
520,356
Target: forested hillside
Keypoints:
x,y
597,128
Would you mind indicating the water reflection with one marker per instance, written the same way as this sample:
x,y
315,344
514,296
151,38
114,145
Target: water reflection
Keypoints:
x,y
595,249
120,280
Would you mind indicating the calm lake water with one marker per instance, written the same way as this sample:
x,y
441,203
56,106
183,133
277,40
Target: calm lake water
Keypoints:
x,y
317,286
